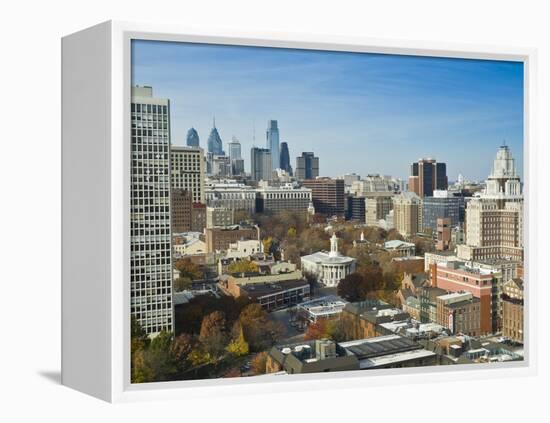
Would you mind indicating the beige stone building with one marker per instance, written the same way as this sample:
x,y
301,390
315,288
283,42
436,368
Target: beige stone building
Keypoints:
x,y
377,207
407,213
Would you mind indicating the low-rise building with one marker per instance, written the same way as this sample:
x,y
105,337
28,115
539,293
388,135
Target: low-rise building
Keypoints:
x,y
327,307
323,355
428,303
188,243
400,248
273,199
482,283
512,316
459,312
271,291
229,193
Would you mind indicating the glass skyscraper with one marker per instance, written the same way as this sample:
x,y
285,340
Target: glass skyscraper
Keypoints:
x,y
272,143
192,138
215,144
285,158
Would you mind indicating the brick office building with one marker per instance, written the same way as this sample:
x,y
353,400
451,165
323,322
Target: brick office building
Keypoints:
x,y
328,195
483,284
218,239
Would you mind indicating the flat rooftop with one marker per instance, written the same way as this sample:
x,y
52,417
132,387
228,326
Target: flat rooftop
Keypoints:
x,y
269,288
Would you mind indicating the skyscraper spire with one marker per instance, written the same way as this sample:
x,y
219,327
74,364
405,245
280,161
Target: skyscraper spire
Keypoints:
x,y
214,121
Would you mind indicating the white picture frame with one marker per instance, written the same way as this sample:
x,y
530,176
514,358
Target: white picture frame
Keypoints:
x,y
95,203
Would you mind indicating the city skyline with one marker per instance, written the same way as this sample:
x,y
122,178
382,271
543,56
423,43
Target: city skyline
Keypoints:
x,y
421,106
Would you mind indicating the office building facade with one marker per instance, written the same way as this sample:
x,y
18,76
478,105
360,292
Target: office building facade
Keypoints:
x,y
274,199
426,176
231,194
441,205
261,164
285,158
328,195
188,170
307,166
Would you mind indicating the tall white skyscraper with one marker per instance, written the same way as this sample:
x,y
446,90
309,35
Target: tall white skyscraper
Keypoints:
x,y
272,143
150,244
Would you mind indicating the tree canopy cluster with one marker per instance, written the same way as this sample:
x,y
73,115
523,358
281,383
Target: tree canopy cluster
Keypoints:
x,y
226,332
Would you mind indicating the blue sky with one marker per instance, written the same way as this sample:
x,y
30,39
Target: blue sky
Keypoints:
x,y
362,113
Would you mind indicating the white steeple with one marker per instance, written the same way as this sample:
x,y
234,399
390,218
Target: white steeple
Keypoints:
x,y
334,246
362,236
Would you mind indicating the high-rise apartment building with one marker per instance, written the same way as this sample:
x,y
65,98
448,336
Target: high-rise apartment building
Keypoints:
x,y
150,220
285,158
407,213
188,171
192,138
307,166
272,143
261,164
426,176
328,195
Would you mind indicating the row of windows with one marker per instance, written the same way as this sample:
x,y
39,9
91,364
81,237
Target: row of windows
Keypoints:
x,y
149,108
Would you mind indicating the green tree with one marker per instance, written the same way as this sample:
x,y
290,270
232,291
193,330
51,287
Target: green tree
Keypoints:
x,y
316,330
267,243
238,346
259,363
180,349
182,283
352,288
188,269
213,335
260,332
155,363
